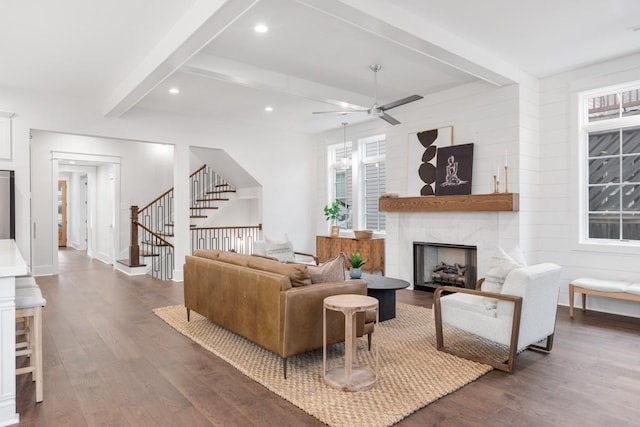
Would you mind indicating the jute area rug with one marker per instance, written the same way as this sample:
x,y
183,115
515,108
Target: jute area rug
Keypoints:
x,y
412,373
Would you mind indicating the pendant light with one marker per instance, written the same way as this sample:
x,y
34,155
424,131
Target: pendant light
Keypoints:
x,y
345,159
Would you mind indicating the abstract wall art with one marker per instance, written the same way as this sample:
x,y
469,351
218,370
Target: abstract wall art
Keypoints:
x,y
422,159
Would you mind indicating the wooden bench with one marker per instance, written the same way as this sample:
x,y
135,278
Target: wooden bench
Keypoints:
x,y
603,288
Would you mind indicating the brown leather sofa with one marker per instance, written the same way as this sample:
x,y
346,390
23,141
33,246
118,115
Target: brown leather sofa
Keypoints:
x,y
268,302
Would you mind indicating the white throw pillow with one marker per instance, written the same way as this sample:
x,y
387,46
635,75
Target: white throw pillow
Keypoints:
x,y
501,264
281,249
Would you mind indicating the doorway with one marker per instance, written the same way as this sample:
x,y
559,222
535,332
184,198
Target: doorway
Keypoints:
x,y
62,214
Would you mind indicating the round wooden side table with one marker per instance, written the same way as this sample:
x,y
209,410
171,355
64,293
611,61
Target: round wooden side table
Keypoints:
x,y
351,376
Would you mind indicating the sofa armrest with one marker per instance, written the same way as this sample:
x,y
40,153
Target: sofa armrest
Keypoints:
x,y
302,315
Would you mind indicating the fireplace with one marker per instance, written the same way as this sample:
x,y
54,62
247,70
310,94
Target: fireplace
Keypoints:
x,y
437,264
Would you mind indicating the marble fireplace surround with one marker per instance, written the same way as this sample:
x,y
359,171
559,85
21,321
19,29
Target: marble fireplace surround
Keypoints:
x,y
485,230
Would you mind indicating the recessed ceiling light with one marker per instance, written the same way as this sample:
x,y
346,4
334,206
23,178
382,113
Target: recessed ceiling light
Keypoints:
x,y
261,28
72,162
268,108
174,90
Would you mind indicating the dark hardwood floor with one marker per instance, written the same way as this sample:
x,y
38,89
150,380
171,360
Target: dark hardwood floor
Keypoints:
x,y
108,360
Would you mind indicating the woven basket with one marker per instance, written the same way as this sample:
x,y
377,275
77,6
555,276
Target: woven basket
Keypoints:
x,y
363,234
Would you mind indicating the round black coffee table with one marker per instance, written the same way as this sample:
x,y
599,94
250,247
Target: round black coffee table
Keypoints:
x,y
384,290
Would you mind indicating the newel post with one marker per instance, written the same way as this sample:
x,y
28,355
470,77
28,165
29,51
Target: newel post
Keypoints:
x,y
134,249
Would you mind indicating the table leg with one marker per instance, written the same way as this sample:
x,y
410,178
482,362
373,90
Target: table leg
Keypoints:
x,y
349,338
324,342
570,300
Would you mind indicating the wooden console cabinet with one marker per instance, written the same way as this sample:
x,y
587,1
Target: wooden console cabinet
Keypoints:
x,y
371,249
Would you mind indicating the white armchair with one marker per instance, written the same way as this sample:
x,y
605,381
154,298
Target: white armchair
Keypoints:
x,y
524,315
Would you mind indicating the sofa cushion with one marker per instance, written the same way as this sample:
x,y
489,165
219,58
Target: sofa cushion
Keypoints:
x,y
297,273
234,258
329,271
281,249
602,285
207,253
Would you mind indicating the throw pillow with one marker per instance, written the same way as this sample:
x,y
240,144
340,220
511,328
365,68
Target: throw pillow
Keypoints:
x,y
330,271
501,265
297,273
280,249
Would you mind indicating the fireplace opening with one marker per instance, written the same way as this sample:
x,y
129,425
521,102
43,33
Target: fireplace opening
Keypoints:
x,y
438,264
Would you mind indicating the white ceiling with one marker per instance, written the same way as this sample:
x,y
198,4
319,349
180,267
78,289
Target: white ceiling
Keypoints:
x,y
124,54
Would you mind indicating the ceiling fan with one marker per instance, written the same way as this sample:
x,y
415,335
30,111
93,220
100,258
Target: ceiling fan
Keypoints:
x,y
378,110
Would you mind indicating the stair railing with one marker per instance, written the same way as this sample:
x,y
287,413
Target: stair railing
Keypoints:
x,y
151,225
156,222
238,239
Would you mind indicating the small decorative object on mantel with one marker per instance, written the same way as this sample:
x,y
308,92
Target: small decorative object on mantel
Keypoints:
x,y
506,173
356,261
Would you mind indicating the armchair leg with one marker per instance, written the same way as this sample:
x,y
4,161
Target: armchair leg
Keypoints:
x,y
513,347
369,340
188,314
547,348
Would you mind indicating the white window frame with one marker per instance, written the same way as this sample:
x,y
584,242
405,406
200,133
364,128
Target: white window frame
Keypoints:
x,y
357,176
363,160
332,168
584,128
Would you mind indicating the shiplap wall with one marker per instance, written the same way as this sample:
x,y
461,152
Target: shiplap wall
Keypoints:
x,y
481,114
555,225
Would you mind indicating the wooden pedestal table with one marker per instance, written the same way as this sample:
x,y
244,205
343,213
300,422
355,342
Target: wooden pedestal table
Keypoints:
x,y
351,376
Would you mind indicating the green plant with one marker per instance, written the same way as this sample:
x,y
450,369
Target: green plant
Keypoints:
x,y
356,260
331,211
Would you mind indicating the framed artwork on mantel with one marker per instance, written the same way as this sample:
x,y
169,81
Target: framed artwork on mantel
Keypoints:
x,y
422,155
454,170
5,135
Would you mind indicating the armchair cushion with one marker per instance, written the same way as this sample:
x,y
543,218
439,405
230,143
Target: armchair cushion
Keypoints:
x,y
282,249
329,271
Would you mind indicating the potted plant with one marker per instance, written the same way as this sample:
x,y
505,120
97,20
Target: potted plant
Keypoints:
x,y
356,261
331,213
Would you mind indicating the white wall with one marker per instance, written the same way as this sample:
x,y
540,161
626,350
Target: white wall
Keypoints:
x,y
287,205
144,172
481,114
556,224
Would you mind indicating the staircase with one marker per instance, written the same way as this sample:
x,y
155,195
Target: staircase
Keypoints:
x,y
152,227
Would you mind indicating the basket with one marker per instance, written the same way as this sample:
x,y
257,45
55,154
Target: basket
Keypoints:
x,y
363,234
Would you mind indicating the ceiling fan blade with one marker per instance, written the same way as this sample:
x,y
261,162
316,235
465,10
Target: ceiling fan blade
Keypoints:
x,y
339,112
387,118
400,102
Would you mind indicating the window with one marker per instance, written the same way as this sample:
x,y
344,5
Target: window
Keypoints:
x,y
358,183
341,172
374,176
611,135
